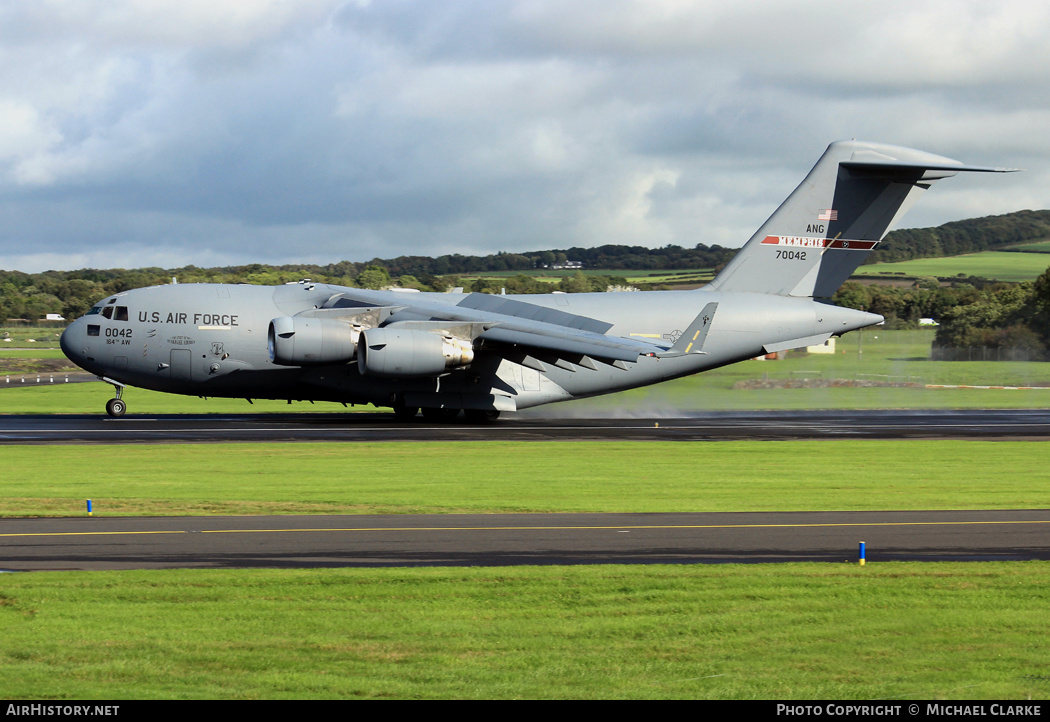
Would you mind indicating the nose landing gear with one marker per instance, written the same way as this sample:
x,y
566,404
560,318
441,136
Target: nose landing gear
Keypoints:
x,y
116,407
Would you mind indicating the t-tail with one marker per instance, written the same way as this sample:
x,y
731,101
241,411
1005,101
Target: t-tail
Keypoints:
x,y
834,219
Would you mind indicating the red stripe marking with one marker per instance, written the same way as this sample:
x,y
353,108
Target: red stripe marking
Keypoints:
x,y
814,242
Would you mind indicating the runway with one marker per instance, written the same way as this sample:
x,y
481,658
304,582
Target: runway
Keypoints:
x,y
375,427
514,539
336,541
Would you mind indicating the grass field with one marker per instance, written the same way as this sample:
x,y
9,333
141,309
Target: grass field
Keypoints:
x,y
90,398
899,631
482,477
826,631
998,265
1041,247
30,337
38,353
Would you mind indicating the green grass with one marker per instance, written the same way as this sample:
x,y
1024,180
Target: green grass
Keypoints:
x,y
32,353
30,361
42,337
90,398
897,631
481,477
998,265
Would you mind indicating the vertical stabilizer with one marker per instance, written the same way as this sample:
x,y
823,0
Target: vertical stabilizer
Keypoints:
x,y
834,219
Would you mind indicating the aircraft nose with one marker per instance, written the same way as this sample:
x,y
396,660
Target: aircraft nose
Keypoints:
x,y
65,339
72,341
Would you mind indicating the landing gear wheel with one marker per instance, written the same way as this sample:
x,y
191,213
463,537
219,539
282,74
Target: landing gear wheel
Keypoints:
x,y
440,415
116,407
481,416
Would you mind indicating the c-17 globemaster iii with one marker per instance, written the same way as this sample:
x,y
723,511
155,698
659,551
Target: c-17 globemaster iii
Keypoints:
x,y
484,354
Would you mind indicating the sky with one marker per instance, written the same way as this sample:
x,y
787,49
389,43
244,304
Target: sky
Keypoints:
x,y
224,132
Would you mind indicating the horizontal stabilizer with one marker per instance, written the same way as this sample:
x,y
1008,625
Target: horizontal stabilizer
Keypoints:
x,y
900,168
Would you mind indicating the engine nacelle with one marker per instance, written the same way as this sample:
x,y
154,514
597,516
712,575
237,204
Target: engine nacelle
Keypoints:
x,y
404,353
299,341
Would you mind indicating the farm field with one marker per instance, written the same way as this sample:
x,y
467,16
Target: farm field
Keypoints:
x,y
1041,247
997,265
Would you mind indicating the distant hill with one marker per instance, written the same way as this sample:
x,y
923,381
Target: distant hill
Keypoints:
x,y
959,237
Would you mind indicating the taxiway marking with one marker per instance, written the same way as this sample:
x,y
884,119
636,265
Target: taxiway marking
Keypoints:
x,y
528,528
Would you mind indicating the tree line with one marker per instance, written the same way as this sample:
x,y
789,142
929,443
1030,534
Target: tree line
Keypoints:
x,y
959,237
29,296
970,312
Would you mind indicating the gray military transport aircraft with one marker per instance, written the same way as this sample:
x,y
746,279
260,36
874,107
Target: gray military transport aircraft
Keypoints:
x,y
483,354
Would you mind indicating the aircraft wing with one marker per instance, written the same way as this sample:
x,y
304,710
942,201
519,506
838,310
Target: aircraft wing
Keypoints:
x,y
505,321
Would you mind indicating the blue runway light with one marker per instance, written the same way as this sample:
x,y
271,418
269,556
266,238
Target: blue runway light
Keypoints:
x,y
862,553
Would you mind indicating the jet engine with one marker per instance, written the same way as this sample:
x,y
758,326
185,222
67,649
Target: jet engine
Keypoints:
x,y
299,341
406,353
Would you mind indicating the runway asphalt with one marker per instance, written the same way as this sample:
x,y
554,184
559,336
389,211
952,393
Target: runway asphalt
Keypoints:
x,y
304,541
710,426
514,539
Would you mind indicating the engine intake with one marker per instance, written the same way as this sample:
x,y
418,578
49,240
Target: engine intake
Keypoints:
x,y
299,341
404,353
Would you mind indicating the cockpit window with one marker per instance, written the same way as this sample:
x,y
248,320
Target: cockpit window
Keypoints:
x,y
94,310
116,313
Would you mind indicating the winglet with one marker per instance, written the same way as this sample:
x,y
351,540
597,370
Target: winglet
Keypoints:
x,y
692,341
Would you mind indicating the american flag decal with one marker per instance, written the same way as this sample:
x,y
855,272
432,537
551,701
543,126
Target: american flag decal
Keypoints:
x,y
828,215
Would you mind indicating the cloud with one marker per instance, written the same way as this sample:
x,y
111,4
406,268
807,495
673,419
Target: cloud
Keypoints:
x,y
143,132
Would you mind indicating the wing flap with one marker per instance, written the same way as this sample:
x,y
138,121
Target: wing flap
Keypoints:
x,y
602,347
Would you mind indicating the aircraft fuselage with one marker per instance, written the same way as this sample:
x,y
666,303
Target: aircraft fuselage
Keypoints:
x,y
211,340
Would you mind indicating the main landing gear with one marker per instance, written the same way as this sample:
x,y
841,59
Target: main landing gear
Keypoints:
x,y
481,416
405,413
116,407
444,415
